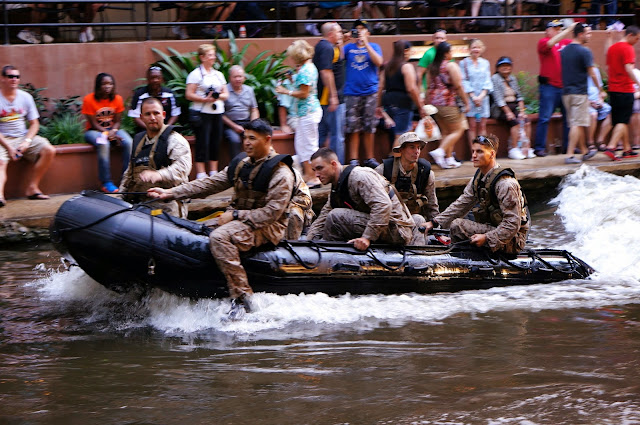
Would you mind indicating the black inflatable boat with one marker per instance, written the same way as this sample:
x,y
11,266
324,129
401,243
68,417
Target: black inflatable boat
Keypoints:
x,y
123,246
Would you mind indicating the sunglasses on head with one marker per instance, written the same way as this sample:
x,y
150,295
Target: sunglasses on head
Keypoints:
x,y
155,68
485,141
12,76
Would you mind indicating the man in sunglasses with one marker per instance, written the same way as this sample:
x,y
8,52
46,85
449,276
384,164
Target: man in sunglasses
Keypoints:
x,y
16,140
501,216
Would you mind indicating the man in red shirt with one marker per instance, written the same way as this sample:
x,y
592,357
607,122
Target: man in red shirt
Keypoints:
x,y
621,61
550,80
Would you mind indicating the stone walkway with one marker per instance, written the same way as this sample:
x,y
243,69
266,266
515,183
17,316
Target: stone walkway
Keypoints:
x,y
533,174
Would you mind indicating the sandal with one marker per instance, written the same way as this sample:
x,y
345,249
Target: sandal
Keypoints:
x,y
38,196
602,146
3,202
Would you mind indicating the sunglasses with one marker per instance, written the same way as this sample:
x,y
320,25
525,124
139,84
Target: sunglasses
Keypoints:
x,y
155,68
485,141
13,76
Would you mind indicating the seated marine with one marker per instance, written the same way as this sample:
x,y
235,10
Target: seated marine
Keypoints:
x,y
496,199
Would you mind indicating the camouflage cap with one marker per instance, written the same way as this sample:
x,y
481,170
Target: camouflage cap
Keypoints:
x,y
409,137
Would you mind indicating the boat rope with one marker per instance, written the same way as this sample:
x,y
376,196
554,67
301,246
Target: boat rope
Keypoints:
x,y
303,263
370,254
151,265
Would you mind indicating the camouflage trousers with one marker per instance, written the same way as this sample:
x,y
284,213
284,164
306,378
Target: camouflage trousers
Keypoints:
x,y
226,242
343,224
462,229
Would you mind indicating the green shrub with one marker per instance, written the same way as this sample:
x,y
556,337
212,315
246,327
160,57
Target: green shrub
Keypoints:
x,y
529,87
64,129
262,74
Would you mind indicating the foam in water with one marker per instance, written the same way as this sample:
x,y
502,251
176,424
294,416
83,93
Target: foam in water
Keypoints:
x,y
602,211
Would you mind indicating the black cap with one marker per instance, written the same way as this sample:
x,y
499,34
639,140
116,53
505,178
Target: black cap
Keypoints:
x,y
359,22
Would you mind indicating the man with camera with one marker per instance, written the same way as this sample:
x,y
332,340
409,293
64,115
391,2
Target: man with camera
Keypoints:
x,y
240,108
361,93
16,140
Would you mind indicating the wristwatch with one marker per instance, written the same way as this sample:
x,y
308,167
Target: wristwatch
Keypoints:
x,y
235,214
27,139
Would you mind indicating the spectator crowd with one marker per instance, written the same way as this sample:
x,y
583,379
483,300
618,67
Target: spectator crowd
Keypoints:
x,y
342,91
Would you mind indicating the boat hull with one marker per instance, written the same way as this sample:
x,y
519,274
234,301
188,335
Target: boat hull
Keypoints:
x,y
123,246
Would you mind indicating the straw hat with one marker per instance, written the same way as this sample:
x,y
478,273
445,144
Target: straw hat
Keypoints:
x,y
409,137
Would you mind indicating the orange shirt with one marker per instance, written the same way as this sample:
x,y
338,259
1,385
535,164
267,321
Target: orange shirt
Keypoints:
x,y
104,110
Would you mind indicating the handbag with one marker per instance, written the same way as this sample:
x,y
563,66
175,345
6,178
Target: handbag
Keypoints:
x,y
195,118
427,130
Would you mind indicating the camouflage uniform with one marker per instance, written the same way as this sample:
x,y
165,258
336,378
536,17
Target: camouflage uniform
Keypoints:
x,y
425,203
300,212
260,220
179,154
373,215
506,229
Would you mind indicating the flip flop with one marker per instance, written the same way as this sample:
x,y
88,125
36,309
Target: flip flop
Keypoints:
x,y
38,197
2,202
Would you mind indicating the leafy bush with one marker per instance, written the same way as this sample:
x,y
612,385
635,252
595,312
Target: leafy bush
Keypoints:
x,y
36,93
64,129
529,87
262,73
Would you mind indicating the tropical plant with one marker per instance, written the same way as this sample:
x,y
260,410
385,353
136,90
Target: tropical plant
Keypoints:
x,y
38,98
262,73
529,88
65,105
128,124
64,129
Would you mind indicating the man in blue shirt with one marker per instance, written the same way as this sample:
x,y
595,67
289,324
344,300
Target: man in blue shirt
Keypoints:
x,y
361,90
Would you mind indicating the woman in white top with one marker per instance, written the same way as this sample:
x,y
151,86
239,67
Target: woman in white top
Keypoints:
x,y
207,90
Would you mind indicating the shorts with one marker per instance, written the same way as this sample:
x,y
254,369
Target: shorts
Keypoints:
x,y
576,108
449,115
621,107
361,113
604,111
402,117
513,106
31,154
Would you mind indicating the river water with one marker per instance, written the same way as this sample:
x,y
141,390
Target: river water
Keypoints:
x,y
72,352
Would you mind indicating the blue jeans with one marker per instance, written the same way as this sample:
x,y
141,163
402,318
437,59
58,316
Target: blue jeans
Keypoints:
x,y
235,141
104,162
332,124
550,99
610,8
402,117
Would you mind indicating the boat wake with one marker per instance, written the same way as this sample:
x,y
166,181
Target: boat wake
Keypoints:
x,y
599,211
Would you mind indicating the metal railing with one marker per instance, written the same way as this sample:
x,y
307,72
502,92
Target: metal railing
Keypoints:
x,y
148,23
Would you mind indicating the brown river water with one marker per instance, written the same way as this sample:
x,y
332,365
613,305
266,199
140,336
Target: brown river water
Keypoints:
x,y
72,352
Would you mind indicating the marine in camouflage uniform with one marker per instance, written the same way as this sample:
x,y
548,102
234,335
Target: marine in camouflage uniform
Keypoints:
x,y
254,217
300,212
158,149
362,205
498,204
412,178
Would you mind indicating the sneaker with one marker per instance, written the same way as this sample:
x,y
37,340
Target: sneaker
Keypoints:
x,y
540,152
587,156
312,29
354,162
438,157
201,176
89,32
28,36
452,163
371,163
180,32
82,37
531,153
46,38
611,154
629,154
516,153
109,187
572,160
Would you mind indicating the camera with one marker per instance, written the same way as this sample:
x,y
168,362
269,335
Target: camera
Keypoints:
x,y
355,33
214,93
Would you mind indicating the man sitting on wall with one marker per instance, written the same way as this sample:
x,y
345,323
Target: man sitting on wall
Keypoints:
x,y
16,140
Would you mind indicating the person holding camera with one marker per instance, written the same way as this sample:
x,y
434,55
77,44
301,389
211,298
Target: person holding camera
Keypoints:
x,y
207,90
